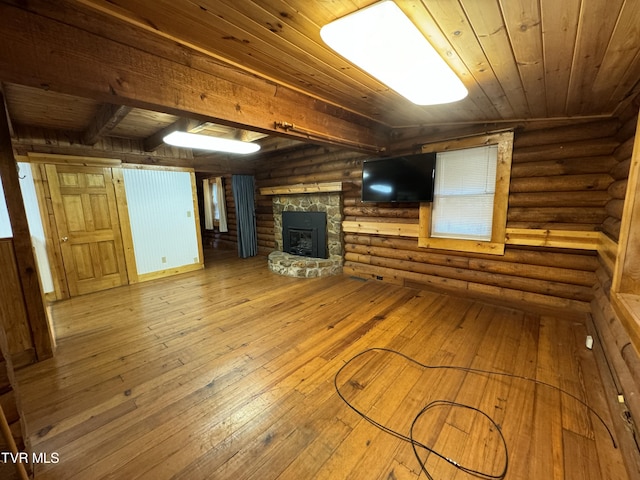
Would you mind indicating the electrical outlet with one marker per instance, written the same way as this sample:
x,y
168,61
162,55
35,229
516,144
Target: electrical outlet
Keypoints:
x,y
164,259
189,214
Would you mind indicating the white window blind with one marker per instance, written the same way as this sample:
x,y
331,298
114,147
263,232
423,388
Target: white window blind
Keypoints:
x,y
464,192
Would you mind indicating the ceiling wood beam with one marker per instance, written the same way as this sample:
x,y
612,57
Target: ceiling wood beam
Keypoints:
x,y
107,118
153,142
47,53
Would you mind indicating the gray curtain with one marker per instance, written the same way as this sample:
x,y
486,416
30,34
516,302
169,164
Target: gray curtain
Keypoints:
x,y
243,195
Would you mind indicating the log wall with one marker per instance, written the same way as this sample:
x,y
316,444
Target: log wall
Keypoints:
x,y
621,355
216,238
312,164
619,173
558,184
560,180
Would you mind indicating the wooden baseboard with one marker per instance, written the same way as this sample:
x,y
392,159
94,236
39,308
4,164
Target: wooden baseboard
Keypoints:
x,y
145,277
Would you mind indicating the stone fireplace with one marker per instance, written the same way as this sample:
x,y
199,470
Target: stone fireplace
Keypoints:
x,y
327,205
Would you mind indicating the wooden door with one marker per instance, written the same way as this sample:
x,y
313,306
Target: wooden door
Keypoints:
x,y
84,207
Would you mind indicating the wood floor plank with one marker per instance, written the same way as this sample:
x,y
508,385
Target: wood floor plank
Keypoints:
x,y
468,432
354,456
580,453
311,459
519,410
547,456
228,373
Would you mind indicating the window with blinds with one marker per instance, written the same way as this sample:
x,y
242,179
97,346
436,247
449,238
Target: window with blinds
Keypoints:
x,y
471,195
465,186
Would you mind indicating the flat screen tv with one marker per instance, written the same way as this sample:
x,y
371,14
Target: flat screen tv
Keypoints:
x,y
406,178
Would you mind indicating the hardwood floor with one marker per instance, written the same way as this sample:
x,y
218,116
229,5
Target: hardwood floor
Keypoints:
x,y
228,373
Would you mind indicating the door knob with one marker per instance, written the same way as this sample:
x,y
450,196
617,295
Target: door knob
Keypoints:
x,y
64,239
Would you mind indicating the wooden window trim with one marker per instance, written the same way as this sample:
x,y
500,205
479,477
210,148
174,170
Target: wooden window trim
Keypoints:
x,y
495,246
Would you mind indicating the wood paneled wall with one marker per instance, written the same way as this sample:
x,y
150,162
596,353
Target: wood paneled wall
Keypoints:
x,y
560,180
14,321
12,415
16,350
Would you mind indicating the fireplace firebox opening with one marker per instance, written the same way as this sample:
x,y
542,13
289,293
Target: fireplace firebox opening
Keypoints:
x,y
305,233
302,243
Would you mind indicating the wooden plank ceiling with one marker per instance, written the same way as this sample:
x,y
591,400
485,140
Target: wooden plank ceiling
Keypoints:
x,y
521,60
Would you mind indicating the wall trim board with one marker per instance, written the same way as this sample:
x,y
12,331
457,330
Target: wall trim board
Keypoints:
x,y
54,158
139,166
574,239
125,225
145,277
608,250
569,239
381,228
41,182
326,187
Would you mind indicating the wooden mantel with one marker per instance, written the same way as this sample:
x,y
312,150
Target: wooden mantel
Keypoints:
x,y
304,188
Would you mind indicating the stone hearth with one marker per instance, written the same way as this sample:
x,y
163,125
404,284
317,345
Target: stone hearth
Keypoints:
x,y
302,267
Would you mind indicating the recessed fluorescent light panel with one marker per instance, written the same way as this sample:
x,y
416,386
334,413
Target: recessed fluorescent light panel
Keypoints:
x,y
382,41
207,142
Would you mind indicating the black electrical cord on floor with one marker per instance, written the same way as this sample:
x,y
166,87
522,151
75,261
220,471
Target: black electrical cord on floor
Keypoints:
x,y
415,444
457,465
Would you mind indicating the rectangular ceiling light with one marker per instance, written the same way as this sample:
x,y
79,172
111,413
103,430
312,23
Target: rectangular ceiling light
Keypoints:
x,y
381,40
207,142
